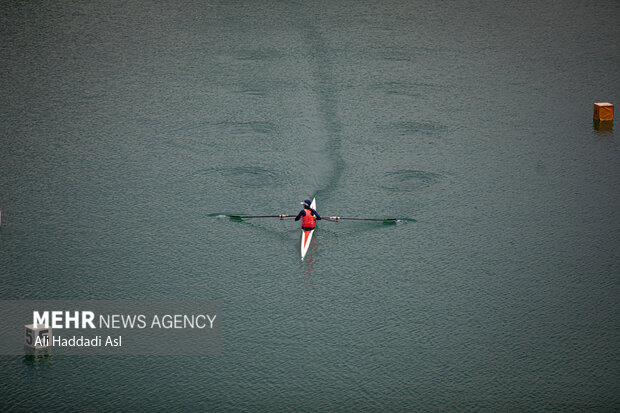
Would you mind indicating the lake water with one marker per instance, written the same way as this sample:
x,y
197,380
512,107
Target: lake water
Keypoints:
x,y
128,128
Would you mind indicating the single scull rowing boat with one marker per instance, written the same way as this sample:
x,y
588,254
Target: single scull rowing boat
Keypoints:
x,y
306,236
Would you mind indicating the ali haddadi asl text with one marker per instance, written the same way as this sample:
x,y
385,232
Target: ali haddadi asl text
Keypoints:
x,y
80,341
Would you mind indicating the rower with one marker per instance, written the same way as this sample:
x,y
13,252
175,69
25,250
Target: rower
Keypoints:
x,y
308,216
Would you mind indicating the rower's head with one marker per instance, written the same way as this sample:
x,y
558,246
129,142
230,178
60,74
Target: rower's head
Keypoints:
x,y
307,203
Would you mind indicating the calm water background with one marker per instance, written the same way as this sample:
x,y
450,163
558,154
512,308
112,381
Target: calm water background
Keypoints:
x,y
126,127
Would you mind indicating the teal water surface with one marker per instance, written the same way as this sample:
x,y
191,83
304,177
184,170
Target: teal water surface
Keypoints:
x,y
128,128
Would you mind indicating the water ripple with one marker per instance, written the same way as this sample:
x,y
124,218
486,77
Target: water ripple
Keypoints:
x,y
243,176
413,127
408,180
259,54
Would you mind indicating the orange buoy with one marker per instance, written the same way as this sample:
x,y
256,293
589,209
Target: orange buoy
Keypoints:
x,y
603,111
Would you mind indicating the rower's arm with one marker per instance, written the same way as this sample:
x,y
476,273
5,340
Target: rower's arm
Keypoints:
x,y
301,214
316,214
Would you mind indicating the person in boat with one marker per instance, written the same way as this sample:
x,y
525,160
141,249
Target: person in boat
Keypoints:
x,y
308,216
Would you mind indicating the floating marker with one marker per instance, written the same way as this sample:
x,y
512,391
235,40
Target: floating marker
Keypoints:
x,y
603,111
37,338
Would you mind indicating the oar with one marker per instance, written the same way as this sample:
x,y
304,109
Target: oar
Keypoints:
x,y
336,219
260,216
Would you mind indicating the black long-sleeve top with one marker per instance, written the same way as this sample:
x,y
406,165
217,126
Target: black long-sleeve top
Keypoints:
x,y
302,213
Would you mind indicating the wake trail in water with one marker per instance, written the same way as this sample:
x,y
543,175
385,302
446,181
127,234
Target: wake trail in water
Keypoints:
x,y
328,109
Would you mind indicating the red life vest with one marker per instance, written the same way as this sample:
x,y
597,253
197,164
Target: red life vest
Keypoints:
x,y
308,221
